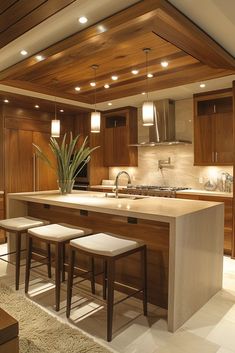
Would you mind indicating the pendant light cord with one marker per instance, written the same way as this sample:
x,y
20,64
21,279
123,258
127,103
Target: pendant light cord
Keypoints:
x,y
95,67
147,78
55,110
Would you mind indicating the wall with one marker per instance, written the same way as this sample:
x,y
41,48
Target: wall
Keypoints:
x,y
182,172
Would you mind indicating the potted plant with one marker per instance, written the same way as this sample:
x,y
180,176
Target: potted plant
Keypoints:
x,y
70,159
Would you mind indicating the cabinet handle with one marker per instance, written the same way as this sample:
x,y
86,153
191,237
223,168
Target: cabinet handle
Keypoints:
x,y
214,108
34,172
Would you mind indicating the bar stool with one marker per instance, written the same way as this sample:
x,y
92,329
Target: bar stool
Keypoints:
x,y
59,235
19,226
109,248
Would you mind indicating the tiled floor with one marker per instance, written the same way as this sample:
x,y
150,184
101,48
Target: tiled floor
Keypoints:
x,y
210,330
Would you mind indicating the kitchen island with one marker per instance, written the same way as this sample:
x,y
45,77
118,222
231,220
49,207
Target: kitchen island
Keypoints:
x,y
184,240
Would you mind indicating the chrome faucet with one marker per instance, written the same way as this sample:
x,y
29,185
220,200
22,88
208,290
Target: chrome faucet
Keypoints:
x,y
116,181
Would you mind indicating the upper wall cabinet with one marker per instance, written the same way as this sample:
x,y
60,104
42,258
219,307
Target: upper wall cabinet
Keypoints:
x,y
213,128
119,132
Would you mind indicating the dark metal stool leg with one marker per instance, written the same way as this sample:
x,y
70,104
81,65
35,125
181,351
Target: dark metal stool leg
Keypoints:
x,y
104,279
28,261
57,275
49,260
144,278
18,253
70,281
63,262
110,278
92,265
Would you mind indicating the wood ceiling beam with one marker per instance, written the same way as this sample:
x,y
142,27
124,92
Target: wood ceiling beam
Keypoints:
x,y
188,74
52,92
173,26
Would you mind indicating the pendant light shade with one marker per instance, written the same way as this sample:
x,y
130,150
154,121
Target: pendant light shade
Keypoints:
x,y
55,125
55,128
95,122
148,113
95,116
148,106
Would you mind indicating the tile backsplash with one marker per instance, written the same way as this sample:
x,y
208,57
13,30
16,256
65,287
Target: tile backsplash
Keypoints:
x,y
181,171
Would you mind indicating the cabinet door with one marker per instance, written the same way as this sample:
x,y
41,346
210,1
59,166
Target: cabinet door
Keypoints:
x,y
203,140
45,177
121,153
224,138
109,147
19,161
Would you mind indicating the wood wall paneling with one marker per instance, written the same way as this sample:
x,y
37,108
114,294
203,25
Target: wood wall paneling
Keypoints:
x,y
233,210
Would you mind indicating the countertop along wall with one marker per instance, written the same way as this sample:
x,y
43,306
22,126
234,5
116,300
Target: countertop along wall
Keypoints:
x,y
182,172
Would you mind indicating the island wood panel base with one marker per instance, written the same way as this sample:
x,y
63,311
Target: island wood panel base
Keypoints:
x,y
154,234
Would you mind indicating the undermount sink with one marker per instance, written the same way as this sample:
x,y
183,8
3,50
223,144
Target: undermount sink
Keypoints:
x,y
125,196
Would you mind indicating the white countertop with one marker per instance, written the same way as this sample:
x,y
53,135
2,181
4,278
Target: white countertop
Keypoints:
x,y
153,208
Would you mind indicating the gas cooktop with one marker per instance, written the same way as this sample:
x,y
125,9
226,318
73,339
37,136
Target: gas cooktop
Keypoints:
x,y
157,187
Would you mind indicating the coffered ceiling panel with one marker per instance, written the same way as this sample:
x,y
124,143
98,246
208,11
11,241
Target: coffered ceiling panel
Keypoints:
x,y
19,16
116,46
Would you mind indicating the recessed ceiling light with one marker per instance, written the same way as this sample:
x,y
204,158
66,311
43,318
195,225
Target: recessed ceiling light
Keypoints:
x,y
150,75
106,86
110,103
62,110
135,72
6,101
92,84
39,57
202,85
164,63
114,78
23,52
143,93
77,89
36,106
83,19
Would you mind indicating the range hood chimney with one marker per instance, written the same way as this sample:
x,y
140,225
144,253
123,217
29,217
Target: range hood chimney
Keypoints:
x,y
163,130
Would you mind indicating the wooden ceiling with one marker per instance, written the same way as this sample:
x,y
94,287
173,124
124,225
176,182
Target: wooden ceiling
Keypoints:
x,y
116,46
19,16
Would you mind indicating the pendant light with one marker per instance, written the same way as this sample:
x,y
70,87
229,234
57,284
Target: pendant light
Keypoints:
x,y
95,116
148,106
55,125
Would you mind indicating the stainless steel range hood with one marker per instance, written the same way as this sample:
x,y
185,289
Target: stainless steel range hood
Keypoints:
x,y
163,131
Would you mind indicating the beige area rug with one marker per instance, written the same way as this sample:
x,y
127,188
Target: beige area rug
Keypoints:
x,y
41,332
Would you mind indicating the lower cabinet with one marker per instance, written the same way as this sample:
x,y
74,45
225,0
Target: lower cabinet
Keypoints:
x,y
228,220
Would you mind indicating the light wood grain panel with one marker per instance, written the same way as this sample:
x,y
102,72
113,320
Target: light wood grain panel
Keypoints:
x,y
154,234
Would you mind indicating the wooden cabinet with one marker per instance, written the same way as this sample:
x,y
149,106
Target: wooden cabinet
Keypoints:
x,y
23,169
228,212
119,132
213,128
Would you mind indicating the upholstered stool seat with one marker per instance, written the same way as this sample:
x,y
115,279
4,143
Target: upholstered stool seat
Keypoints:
x,y
59,232
58,235
109,248
104,244
19,226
